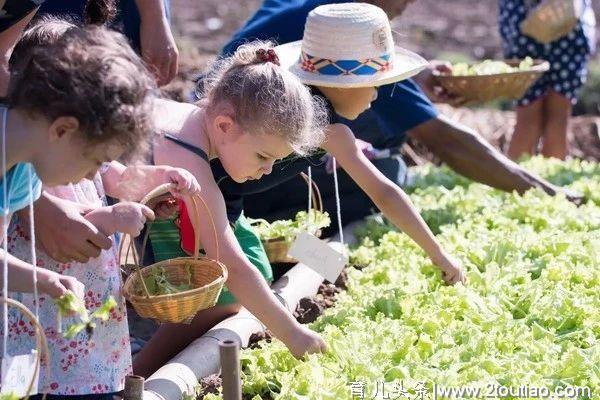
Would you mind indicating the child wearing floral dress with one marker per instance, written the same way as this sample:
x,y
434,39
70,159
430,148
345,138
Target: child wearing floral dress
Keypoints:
x,y
90,365
71,106
97,363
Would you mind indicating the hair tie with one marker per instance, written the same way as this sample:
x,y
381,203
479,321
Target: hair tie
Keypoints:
x,y
267,56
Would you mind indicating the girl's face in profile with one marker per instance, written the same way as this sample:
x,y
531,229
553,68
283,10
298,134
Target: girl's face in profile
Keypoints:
x,y
248,156
68,157
350,102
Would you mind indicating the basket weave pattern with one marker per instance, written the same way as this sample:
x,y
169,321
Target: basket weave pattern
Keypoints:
x,y
551,20
41,344
482,88
207,278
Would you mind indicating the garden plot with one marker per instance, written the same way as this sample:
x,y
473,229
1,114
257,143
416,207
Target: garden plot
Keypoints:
x,y
527,322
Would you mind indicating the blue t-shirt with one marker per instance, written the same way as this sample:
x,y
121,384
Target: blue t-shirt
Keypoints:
x,y
17,187
283,21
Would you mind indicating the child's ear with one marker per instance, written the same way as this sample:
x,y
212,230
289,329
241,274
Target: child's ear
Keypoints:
x,y
63,127
224,124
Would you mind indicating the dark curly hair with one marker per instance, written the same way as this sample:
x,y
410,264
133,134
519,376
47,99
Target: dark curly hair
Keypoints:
x,y
90,73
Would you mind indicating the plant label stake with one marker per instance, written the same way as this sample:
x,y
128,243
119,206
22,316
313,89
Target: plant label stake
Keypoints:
x,y
318,256
134,388
230,370
17,374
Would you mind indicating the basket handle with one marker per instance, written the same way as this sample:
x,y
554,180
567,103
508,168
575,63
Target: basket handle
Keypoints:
x,y
317,200
158,191
40,340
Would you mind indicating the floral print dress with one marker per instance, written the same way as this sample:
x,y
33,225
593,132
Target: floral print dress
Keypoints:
x,y
82,365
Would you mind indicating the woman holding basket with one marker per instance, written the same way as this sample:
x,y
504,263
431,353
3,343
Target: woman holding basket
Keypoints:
x,y
544,112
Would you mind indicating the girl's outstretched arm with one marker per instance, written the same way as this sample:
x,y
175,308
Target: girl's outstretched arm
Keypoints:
x,y
389,198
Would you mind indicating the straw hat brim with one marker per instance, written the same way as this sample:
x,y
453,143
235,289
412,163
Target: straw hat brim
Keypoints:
x,y
406,64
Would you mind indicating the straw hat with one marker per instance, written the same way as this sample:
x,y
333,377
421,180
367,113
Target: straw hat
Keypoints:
x,y
348,45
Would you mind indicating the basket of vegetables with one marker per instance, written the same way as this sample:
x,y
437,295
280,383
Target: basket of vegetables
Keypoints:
x,y
175,290
491,80
552,19
277,236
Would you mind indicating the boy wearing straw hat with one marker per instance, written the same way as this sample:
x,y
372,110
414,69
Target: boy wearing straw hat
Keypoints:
x,y
401,110
347,52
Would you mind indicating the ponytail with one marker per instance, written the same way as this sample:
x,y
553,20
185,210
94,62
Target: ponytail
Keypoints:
x,y
99,12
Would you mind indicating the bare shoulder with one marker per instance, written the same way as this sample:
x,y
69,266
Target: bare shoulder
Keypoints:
x,y
338,136
170,116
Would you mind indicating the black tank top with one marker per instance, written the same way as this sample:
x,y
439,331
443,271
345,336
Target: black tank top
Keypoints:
x,y
233,192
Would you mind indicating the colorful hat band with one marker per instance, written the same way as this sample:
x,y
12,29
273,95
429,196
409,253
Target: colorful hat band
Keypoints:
x,y
324,66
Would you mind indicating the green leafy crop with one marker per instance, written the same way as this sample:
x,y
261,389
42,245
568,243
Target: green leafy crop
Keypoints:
x,y
158,283
529,314
70,305
490,67
288,229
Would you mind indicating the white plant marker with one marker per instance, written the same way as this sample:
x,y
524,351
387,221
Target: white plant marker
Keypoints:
x,y
314,252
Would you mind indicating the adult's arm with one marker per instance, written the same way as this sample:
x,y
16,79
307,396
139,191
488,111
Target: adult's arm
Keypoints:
x,y
470,155
156,40
62,232
8,38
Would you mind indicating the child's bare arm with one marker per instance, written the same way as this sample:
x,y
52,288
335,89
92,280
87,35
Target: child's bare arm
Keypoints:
x,y
125,217
132,183
20,276
389,198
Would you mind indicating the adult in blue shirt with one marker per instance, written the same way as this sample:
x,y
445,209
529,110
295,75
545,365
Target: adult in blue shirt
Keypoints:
x,y
398,113
14,17
144,22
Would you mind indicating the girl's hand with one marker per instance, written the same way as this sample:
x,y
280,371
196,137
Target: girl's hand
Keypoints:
x,y
186,183
164,206
452,271
129,218
56,285
303,341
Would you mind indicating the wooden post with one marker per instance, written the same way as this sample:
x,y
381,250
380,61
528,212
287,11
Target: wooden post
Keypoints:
x,y
230,370
134,388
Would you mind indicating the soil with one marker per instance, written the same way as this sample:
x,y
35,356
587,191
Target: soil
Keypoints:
x,y
210,384
256,338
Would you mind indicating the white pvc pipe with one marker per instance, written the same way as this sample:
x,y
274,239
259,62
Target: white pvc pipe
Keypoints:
x,y
201,358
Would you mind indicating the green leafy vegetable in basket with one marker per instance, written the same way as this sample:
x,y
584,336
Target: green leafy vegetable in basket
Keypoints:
x,y
490,67
158,282
288,229
69,304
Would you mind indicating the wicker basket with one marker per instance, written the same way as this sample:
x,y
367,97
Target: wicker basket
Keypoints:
x,y
482,88
207,277
552,19
40,342
277,249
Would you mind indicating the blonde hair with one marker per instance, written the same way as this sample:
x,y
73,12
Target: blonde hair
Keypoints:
x,y
266,98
